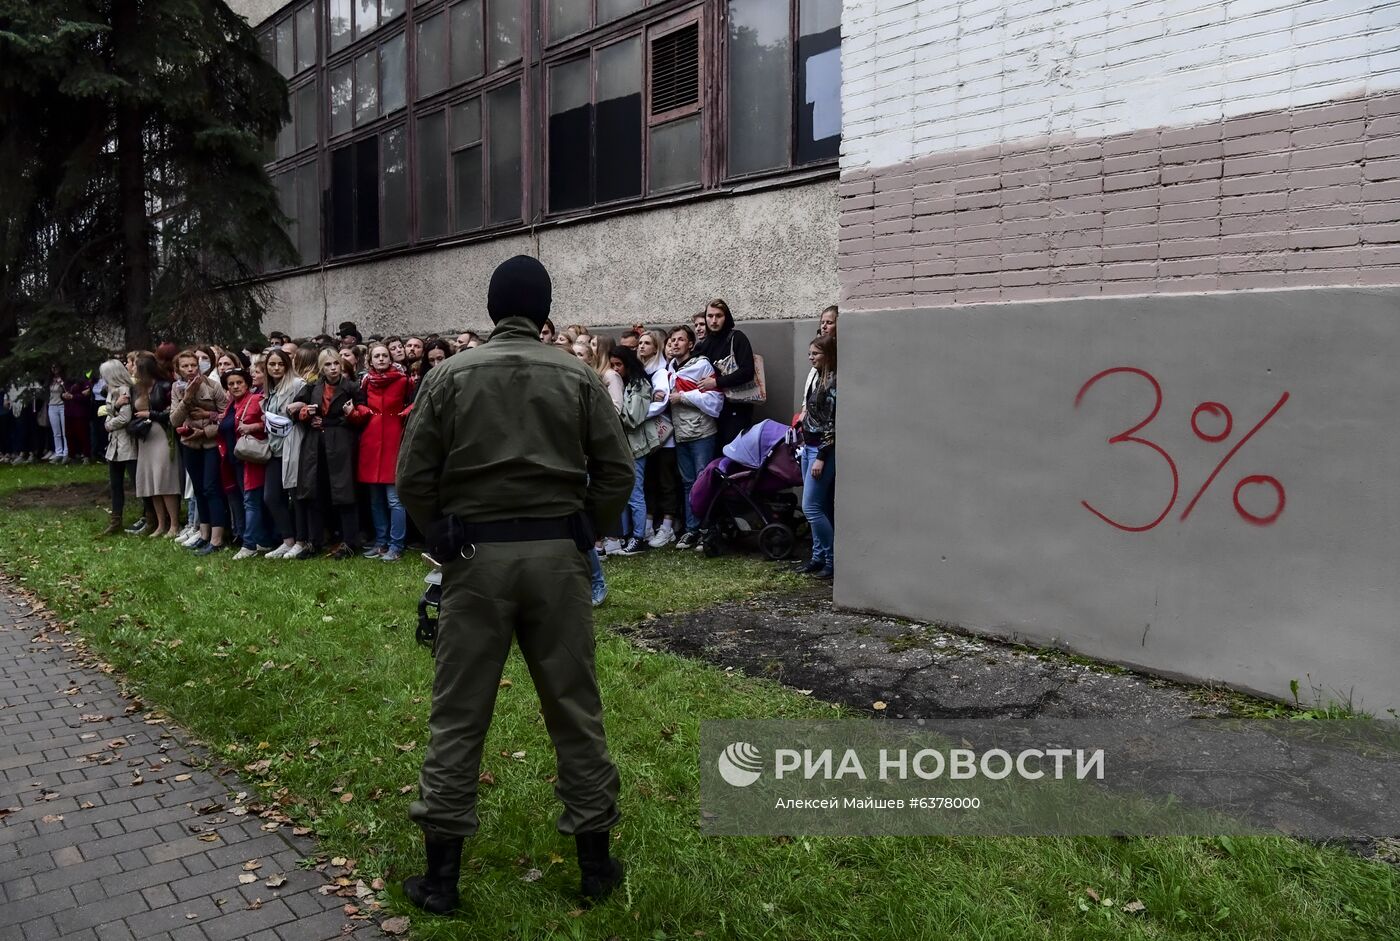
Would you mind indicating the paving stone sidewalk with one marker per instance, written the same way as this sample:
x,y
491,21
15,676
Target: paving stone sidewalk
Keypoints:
x,y
100,831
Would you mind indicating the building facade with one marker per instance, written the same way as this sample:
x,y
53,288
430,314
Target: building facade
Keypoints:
x,y
653,153
1119,330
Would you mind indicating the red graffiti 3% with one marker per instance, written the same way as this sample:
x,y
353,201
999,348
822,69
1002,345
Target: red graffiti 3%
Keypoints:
x,y
1212,413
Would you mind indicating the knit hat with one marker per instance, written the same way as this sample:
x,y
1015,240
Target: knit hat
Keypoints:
x,y
520,287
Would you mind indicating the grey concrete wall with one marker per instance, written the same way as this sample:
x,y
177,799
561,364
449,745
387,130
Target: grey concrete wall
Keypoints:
x,y
964,463
255,11
770,254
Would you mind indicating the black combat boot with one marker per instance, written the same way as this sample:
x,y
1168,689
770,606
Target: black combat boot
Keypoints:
x,y
436,890
601,872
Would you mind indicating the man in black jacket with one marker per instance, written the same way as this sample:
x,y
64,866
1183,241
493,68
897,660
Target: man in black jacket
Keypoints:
x,y
730,352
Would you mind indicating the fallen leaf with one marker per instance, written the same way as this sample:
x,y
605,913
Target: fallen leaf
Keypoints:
x,y
339,861
86,805
247,878
93,717
252,865
407,788
300,831
347,797
189,916
362,891
1134,907
255,904
532,875
183,777
6,811
407,747
879,706
276,882
486,777
1092,894
209,837
270,826
518,755
349,909
377,885
52,818
506,684
394,926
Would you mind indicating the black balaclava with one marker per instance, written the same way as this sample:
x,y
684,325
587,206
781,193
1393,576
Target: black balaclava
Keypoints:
x,y
520,287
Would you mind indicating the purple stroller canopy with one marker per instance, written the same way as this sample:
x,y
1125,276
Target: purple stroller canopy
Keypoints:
x,y
751,448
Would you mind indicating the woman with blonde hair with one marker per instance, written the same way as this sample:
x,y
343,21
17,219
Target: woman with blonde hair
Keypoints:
x,y
121,450
330,410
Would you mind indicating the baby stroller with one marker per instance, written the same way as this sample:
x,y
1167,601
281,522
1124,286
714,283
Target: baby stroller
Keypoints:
x,y
749,490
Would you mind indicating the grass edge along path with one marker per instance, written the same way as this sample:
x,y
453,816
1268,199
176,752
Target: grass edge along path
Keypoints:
x,y
305,678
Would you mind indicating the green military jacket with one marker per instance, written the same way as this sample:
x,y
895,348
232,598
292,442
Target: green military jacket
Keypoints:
x,y
513,429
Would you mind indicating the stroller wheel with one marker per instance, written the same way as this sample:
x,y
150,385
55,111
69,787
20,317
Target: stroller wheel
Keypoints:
x,y
776,541
713,545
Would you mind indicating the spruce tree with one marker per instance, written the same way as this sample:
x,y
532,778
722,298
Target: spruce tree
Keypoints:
x,y
134,203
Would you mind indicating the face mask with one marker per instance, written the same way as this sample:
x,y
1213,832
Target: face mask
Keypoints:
x,y
204,367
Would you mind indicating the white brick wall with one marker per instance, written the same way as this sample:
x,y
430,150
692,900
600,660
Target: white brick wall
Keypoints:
x,y
927,76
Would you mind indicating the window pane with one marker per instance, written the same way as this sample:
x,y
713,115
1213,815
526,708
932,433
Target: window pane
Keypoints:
x,y
308,214
466,123
340,24
466,189
503,30
306,102
285,185
466,41
567,17
819,81
285,55
394,220
366,88
342,201
287,138
609,10
503,120
306,37
392,8
367,193
432,175
619,132
342,99
570,135
675,154
392,63
366,17
760,86
267,45
432,56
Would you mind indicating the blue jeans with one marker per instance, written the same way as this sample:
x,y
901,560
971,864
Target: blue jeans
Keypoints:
x,y
819,504
595,571
390,519
254,534
634,518
202,464
692,456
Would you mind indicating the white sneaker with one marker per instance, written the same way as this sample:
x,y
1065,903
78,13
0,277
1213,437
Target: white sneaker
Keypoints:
x,y
244,553
189,540
281,550
611,546
295,552
664,537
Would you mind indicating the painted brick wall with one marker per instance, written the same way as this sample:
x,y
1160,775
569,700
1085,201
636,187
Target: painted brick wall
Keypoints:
x,y
929,76
1071,174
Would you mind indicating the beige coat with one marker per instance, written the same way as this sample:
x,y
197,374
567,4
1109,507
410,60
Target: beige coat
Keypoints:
x,y
120,446
205,393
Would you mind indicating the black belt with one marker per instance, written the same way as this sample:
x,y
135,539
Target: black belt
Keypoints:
x,y
519,530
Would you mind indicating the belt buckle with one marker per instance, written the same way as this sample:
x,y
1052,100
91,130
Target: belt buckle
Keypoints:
x,y
463,552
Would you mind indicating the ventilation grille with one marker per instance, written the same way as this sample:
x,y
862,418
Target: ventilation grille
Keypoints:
x,y
675,70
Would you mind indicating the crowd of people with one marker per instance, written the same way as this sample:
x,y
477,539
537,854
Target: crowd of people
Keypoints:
x,y
289,451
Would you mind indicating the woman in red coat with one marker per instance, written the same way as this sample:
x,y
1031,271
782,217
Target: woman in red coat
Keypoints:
x,y
386,397
243,480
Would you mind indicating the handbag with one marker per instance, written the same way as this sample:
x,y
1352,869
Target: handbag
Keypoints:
x,y
753,392
248,449
139,428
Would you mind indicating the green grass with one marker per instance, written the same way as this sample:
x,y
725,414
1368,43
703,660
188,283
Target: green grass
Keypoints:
x,y
312,667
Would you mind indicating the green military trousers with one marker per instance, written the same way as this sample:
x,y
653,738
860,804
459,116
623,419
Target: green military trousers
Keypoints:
x,y
537,592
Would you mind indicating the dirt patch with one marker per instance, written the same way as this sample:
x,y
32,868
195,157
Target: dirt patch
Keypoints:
x,y
57,497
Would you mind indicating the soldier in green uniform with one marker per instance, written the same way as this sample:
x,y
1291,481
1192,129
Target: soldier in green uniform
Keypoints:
x,y
511,447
